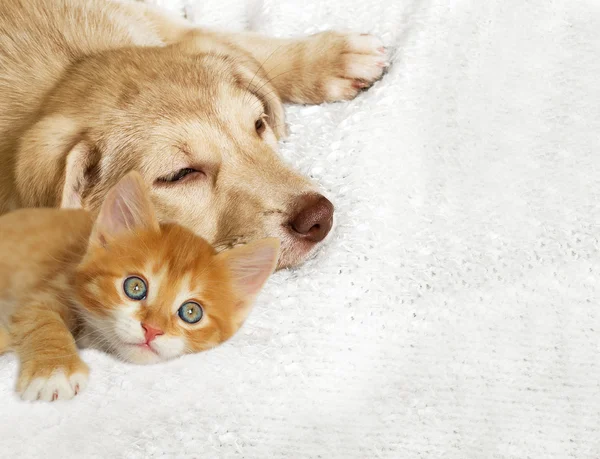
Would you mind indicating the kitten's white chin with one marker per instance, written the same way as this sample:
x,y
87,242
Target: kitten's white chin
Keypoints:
x,y
119,334
136,353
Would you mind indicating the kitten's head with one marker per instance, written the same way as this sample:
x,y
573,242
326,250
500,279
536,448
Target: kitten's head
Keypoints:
x,y
150,292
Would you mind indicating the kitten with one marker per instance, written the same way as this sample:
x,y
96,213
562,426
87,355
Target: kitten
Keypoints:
x,y
143,291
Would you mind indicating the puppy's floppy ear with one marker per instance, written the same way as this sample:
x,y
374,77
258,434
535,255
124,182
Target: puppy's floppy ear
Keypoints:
x,y
53,163
248,72
126,208
249,268
78,176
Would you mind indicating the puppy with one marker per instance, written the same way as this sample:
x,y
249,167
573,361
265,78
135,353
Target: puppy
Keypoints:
x,y
92,89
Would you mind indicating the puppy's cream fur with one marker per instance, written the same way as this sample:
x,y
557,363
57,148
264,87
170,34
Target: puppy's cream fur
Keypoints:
x,y
91,89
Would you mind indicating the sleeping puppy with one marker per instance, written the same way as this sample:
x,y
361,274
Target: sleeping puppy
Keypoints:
x,y
92,89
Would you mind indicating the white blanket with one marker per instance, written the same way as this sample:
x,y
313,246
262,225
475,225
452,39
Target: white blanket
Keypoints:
x,y
453,314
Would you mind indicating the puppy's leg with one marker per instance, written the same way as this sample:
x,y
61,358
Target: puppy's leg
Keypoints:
x,y
168,27
50,366
325,67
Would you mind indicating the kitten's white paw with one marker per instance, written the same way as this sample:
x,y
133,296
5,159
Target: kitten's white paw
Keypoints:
x,y
58,386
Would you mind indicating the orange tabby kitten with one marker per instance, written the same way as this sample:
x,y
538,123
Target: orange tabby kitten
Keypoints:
x,y
144,291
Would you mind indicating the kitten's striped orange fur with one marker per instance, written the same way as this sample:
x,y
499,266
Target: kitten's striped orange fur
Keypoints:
x,y
64,284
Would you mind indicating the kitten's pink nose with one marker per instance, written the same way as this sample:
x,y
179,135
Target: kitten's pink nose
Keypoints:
x,y
150,333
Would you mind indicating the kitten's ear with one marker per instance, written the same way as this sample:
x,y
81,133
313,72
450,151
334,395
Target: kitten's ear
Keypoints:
x,y
127,207
251,265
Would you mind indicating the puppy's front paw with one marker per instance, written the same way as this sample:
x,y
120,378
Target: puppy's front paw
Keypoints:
x,y
61,382
344,64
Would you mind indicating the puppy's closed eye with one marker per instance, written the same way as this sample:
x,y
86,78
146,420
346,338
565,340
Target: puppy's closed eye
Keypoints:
x,y
180,176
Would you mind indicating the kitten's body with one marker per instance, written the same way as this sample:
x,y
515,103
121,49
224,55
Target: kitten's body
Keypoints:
x,y
39,252
63,285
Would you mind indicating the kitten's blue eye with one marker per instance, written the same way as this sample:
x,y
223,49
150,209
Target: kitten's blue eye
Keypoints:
x,y
135,288
190,312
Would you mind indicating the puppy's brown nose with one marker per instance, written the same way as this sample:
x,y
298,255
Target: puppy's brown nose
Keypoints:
x,y
314,218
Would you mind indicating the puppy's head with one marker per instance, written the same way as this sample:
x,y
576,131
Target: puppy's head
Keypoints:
x,y
201,130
